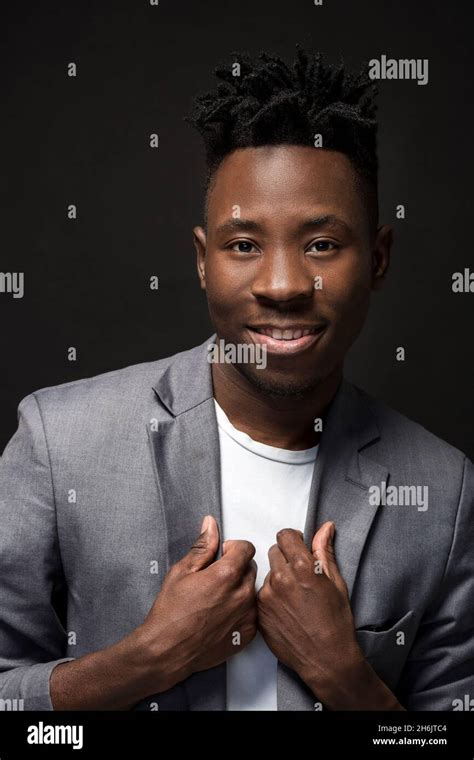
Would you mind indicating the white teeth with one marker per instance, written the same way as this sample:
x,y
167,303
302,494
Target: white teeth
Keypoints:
x,y
284,334
276,334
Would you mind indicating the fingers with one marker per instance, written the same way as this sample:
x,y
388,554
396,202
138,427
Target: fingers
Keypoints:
x,y
236,555
253,568
291,544
204,549
278,564
250,575
323,550
276,558
266,579
247,584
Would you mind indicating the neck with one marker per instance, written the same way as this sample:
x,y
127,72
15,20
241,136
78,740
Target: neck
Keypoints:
x,y
284,422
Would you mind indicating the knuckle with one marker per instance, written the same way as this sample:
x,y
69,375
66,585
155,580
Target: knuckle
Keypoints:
x,y
300,564
227,573
279,578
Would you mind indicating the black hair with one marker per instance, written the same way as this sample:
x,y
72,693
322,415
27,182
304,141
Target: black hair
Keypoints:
x,y
270,103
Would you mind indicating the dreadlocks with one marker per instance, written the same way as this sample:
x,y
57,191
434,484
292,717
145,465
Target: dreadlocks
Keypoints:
x,y
269,103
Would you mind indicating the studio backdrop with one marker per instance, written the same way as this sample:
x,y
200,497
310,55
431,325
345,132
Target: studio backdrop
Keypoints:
x,y
103,183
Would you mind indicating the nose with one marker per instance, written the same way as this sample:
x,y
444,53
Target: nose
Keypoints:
x,y
283,276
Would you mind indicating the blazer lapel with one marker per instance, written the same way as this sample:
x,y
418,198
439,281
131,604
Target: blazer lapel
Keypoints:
x,y
187,469
339,492
186,450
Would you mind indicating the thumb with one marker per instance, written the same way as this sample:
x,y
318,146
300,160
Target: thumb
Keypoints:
x,y
323,550
205,547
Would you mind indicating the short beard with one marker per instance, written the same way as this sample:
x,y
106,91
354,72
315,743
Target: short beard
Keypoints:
x,y
276,390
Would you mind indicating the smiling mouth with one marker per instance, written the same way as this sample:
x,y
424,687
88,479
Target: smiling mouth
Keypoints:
x,y
288,340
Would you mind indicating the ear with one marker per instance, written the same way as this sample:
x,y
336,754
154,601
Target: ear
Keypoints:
x,y
381,255
200,245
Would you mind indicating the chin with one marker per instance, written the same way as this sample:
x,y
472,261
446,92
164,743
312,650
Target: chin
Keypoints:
x,y
280,384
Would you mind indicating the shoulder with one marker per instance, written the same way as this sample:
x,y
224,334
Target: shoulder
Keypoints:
x,y
408,445
123,389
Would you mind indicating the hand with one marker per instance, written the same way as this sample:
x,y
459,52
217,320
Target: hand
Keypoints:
x,y
202,604
305,617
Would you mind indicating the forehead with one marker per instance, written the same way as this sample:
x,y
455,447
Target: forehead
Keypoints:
x,y
284,179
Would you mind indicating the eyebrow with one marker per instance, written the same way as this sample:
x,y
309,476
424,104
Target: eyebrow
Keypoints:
x,y
236,225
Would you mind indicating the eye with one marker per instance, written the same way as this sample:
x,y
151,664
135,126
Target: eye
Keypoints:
x,y
322,246
242,246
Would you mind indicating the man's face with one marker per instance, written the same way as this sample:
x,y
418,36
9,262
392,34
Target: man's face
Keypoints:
x,y
288,249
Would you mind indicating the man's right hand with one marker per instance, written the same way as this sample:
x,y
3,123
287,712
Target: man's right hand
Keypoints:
x,y
200,608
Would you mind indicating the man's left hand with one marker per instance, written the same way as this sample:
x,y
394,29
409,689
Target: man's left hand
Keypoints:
x,y
306,620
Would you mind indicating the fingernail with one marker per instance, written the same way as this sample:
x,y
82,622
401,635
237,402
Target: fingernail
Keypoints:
x,y
205,524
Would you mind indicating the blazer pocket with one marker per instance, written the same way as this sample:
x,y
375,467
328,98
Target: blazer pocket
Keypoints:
x,y
387,648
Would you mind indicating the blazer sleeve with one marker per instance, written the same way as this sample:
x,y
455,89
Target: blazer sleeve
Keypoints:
x,y
439,673
32,637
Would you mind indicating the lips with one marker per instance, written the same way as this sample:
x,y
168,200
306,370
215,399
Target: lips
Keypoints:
x,y
286,341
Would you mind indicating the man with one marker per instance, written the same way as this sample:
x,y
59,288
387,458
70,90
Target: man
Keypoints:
x,y
333,568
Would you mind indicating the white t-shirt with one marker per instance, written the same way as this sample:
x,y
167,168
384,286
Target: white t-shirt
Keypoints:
x,y
264,489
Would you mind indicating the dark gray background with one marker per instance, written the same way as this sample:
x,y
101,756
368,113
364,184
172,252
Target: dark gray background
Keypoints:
x,y
85,141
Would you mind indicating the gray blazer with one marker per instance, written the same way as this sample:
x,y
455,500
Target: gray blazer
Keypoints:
x,y
107,480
